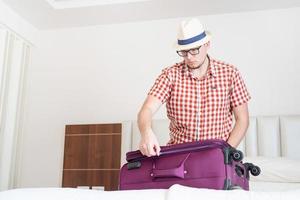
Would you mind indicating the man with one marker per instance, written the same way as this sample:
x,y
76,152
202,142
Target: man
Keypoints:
x,y
201,96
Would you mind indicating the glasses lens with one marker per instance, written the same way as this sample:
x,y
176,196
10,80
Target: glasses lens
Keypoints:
x,y
194,51
182,53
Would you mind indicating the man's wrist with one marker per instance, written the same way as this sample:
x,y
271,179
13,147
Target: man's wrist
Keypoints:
x,y
146,132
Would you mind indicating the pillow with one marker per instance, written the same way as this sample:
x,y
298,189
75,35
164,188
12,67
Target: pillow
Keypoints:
x,y
277,169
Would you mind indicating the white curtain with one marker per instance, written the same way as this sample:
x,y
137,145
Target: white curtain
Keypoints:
x,y
14,59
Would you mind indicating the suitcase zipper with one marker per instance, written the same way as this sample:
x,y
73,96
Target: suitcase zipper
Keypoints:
x,y
181,148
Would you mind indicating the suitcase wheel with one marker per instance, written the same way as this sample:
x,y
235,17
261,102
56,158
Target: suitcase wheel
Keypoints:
x,y
232,154
237,155
255,170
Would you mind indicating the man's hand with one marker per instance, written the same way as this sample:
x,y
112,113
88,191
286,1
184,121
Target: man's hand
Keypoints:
x,y
149,145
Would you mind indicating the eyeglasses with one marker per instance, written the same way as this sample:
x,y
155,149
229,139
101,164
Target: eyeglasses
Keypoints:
x,y
184,53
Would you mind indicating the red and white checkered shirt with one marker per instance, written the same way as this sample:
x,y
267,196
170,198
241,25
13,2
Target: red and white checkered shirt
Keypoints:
x,y
200,109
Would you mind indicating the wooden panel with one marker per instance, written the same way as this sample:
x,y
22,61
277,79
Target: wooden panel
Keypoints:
x,y
108,179
77,129
105,128
93,129
92,152
92,155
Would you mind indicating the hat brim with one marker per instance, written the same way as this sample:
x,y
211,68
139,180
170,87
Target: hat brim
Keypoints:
x,y
194,44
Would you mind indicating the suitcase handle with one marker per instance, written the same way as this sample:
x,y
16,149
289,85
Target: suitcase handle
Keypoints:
x,y
177,172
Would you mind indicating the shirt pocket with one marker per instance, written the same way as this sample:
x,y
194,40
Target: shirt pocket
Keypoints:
x,y
217,97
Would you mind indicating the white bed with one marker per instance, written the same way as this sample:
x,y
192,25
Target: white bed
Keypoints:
x,y
278,174
271,143
176,192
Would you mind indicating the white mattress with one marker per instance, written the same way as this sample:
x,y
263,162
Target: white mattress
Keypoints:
x,y
79,194
259,190
273,186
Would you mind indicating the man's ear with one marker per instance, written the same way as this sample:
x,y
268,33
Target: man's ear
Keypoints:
x,y
207,45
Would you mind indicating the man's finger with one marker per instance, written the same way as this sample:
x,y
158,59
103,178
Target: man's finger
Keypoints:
x,y
157,149
143,149
150,150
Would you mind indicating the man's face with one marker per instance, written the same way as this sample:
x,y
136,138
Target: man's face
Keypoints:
x,y
196,56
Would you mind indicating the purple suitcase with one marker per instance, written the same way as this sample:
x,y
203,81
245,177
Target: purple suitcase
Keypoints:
x,y
210,164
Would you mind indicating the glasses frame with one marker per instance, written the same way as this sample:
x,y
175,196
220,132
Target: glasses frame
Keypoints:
x,y
184,53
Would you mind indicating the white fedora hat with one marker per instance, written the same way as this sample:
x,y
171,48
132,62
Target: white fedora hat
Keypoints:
x,y
191,34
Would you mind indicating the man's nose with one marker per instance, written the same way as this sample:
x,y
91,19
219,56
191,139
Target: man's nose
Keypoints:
x,y
189,56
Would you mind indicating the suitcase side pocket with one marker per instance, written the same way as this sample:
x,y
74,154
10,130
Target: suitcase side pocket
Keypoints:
x,y
177,172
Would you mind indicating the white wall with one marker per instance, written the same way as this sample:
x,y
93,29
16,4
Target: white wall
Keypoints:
x,y
15,23
102,74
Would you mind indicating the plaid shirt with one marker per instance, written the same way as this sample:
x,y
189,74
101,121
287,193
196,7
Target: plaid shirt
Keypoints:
x,y
200,109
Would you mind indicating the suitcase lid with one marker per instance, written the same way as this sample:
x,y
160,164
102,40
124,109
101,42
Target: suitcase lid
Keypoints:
x,y
179,148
